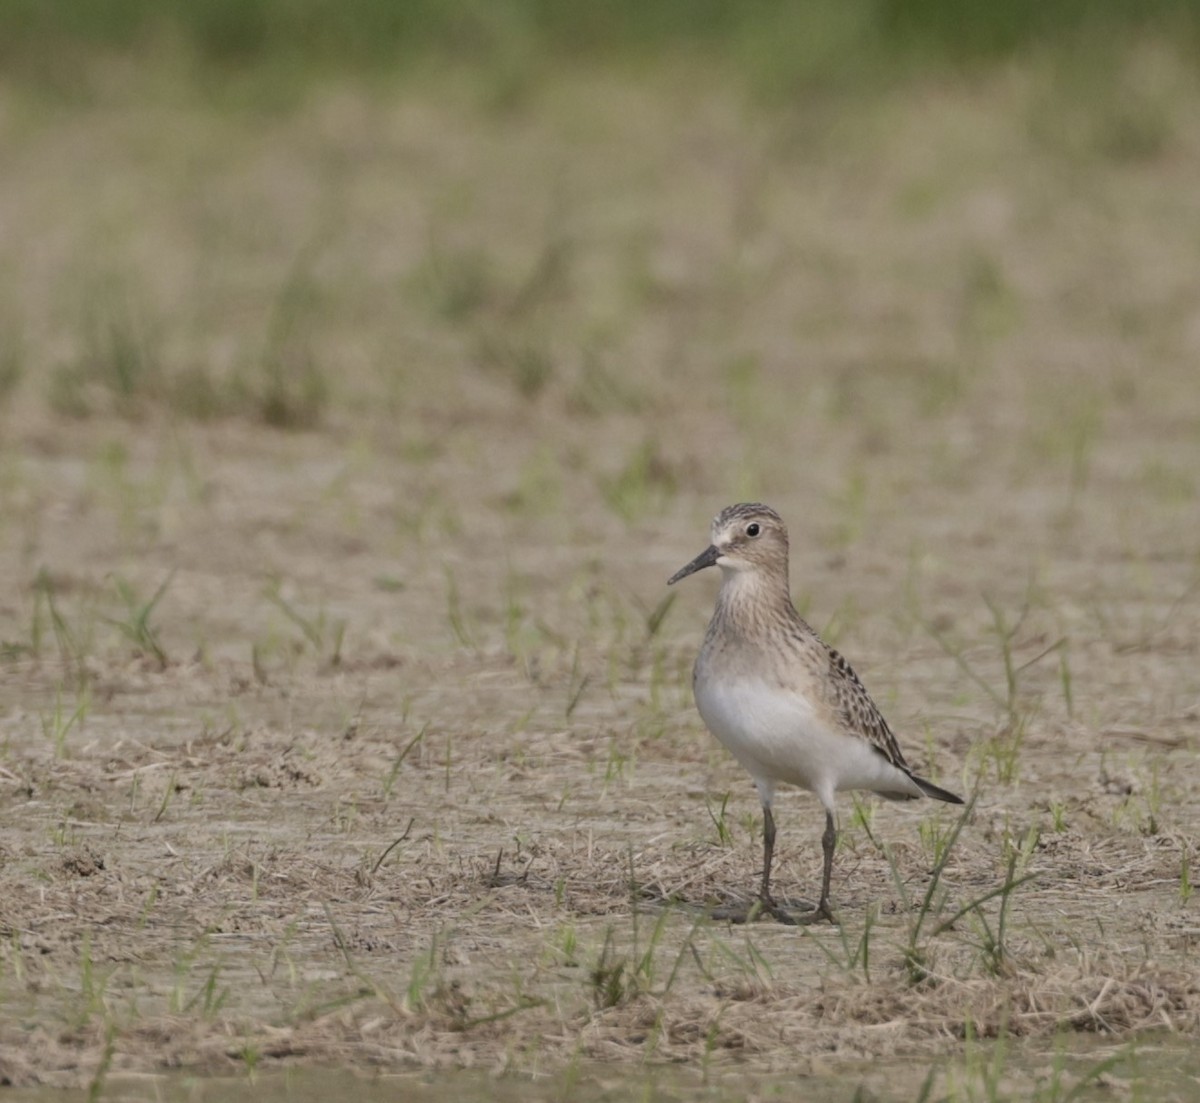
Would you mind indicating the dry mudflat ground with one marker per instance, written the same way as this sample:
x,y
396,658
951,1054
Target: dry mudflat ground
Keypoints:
x,y
346,450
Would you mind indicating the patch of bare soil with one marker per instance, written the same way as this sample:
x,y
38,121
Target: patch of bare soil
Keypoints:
x,y
475,859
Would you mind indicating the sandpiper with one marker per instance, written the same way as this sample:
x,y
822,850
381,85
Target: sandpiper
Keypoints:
x,y
785,704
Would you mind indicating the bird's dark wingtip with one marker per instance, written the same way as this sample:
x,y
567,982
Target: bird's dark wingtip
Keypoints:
x,y
936,792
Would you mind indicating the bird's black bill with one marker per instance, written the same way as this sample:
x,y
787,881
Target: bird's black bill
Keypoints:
x,y
705,559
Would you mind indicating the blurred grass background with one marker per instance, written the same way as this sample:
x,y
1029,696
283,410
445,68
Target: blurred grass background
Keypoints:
x,y
774,44
599,236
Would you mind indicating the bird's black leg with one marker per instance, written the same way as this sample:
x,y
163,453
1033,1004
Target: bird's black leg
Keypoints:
x,y
769,906
768,855
828,844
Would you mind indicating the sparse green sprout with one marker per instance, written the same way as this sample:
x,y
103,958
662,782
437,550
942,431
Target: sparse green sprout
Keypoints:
x,y
618,761
607,979
326,635
576,684
209,998
456,283
148,906
73,646
169,791
454,611
58,723
250,1055
528,366
1064,667
568,944
1004,751
118,367
136,626
389,782
289,388
96,1086
863,815
855,953
935,837
719,820
655,618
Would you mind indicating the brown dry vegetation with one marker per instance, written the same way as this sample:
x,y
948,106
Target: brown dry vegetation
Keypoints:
x,y
406,403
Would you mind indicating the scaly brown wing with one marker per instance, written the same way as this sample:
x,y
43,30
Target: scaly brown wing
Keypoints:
x,y
853,704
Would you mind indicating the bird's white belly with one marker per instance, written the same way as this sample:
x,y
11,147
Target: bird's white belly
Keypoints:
x,y
778,735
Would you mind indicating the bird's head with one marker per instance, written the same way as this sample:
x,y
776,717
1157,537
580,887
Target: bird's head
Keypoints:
x,y
745,537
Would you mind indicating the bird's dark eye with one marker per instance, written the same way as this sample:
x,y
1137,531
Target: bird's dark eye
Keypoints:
x,y
753,529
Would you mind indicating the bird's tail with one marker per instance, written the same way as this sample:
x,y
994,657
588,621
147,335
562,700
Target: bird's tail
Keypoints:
x,y
931,790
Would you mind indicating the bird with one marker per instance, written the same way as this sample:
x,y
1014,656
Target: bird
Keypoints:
x,y
787,706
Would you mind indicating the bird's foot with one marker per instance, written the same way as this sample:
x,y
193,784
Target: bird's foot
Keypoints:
x,y
734,913
767,906
822,912
762,908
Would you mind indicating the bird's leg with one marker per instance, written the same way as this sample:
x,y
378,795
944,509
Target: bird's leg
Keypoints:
x,y
765,904
767,901
768,854
828,844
